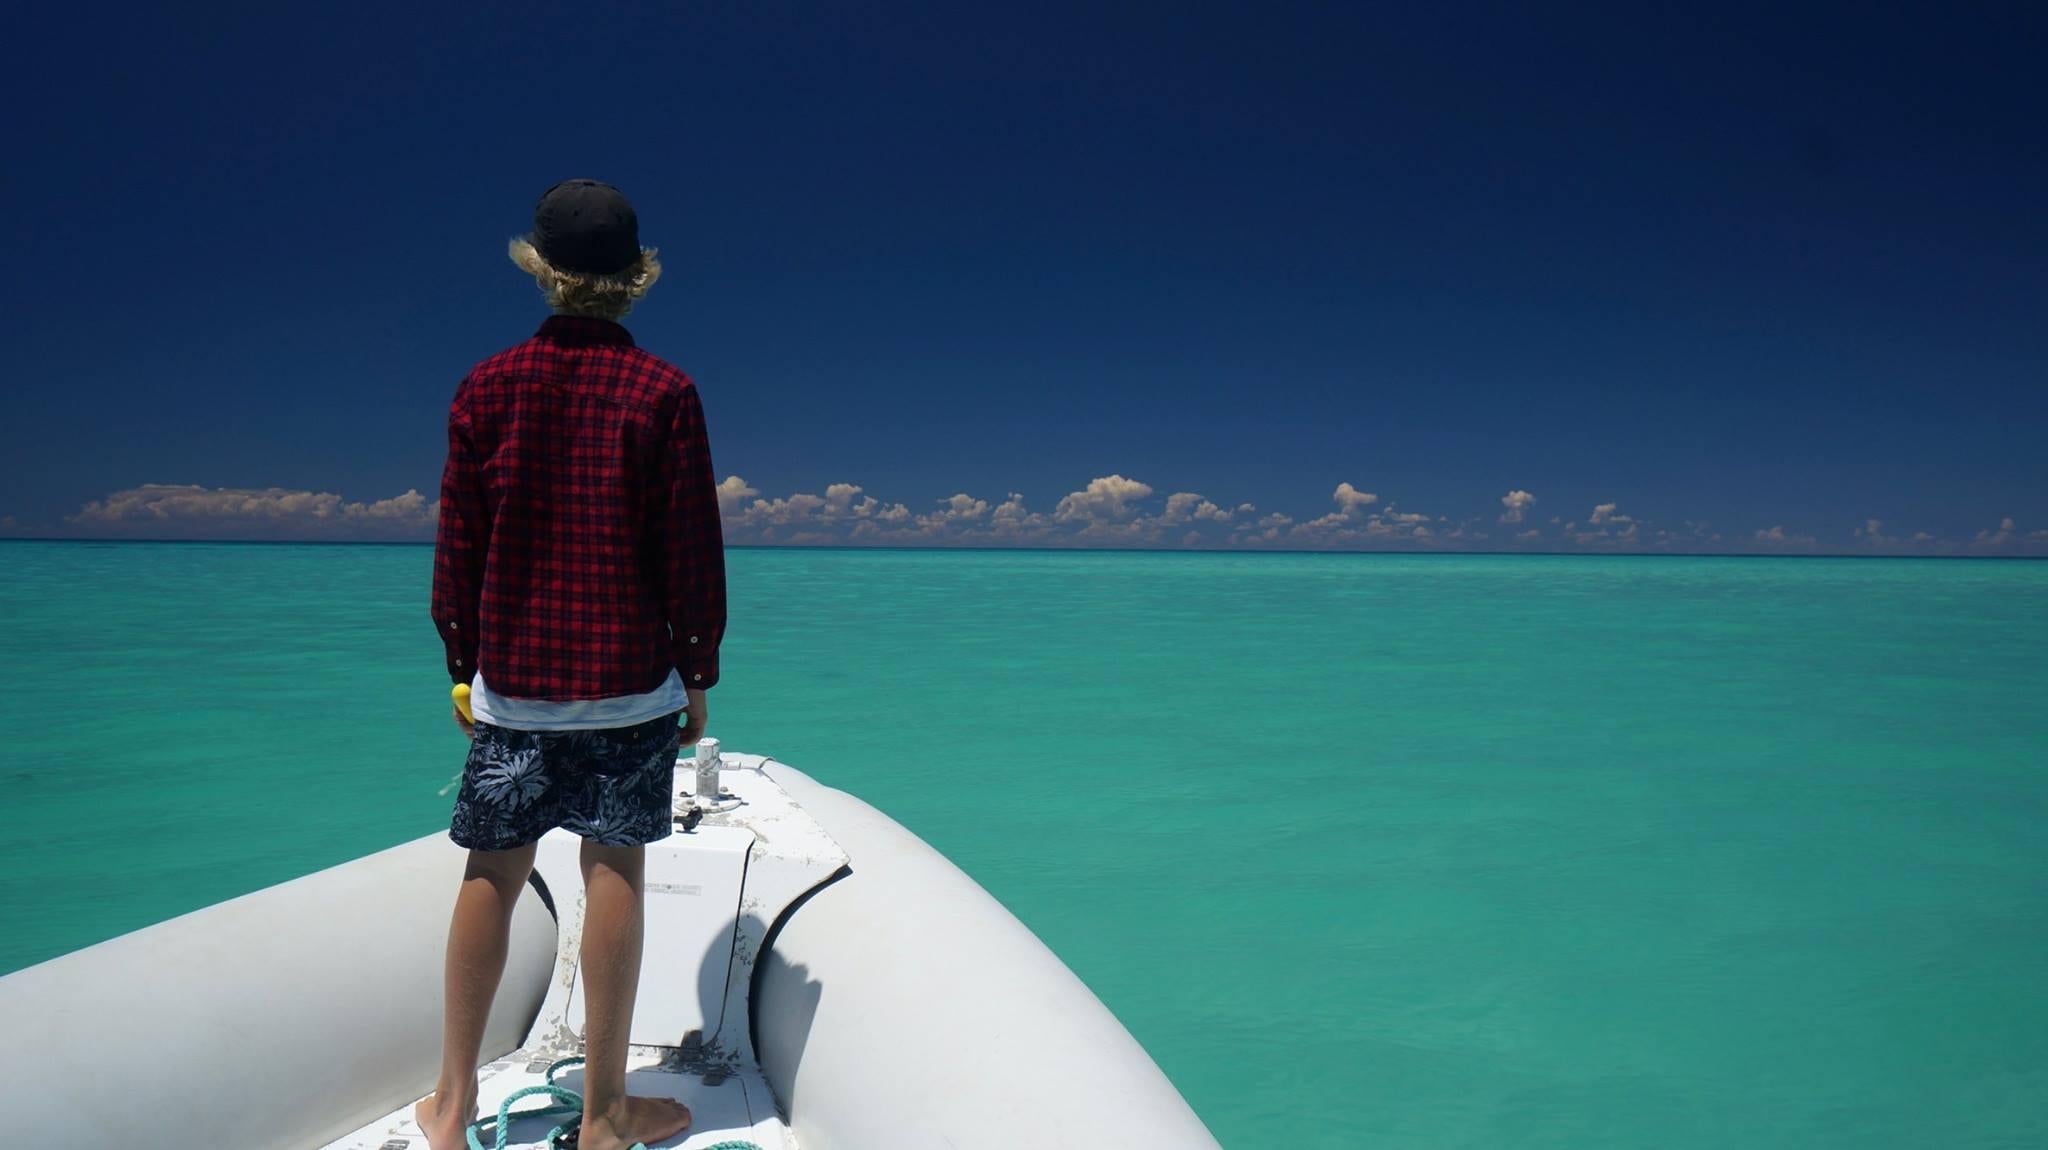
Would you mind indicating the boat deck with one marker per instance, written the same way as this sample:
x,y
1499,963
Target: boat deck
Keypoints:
x,y
725,1103
712,891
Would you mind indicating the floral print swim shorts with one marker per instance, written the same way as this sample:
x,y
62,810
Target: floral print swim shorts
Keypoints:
x,y
614,787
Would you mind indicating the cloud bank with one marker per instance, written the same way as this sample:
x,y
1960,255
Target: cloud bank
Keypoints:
x,y
1108,511
159,510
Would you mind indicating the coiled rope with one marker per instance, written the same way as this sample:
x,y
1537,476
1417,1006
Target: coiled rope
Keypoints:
x,y
563,1103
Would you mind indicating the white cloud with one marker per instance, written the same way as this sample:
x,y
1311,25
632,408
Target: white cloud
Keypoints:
x,y
733,494
1608,513
803,517
1877,537
1013,522
1999,538
1779,537
1105,500
268,512
1354,524
411,507
1607,537
784,512
1607,527
1180,506
953,513
1183,506
1110,510
1517,503
1266,528
1350,499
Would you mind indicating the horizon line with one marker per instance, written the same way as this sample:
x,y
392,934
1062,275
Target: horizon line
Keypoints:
x,y
74,539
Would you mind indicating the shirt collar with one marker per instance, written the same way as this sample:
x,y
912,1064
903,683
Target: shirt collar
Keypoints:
x,y
584,329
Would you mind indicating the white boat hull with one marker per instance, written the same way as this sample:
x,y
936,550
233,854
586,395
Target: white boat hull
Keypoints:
x,y
897,1004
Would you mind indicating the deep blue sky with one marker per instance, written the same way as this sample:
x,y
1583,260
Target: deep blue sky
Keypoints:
x,y
1771,265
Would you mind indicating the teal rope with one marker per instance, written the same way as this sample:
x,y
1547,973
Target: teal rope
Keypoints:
x,y
566,1104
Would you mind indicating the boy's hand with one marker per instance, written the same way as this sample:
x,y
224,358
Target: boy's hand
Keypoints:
x,y
693,719
468,728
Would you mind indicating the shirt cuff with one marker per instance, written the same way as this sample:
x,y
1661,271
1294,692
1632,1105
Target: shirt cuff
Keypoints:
x,y
461,652
698,669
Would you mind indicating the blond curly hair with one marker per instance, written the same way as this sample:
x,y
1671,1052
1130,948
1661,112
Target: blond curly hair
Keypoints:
x,y
574,293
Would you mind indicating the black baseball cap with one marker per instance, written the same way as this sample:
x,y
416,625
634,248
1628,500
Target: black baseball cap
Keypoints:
x,y
586,226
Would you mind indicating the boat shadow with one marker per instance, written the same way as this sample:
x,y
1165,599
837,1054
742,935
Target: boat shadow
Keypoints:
x,y
775,1006
702,1071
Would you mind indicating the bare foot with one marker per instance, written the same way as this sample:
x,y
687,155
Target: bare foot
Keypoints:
x,y
445,1121
632,1120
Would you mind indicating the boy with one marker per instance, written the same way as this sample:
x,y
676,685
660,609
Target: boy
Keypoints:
x,y
579,586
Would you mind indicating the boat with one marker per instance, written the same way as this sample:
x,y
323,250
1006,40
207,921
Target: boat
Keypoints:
x,y
815,977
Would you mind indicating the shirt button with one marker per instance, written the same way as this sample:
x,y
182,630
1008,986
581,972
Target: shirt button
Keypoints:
x,y
696,677
458,662
455,626
693,638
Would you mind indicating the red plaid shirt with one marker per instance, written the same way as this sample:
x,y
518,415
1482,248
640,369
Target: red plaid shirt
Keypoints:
x,y
579,553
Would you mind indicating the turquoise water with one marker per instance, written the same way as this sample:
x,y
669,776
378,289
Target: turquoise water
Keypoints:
x,y
1425,851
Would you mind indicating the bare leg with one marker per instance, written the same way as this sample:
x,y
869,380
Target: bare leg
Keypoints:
x,y
478,938
612,930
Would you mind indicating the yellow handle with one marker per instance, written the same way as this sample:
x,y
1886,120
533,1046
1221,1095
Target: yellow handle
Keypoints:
x,y
461,694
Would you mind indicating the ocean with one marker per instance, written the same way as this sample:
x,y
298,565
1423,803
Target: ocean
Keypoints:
x,y
1368,850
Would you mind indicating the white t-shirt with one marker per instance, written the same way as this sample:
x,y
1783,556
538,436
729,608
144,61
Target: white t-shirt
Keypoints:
x,y
488,706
